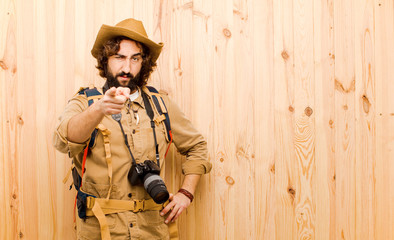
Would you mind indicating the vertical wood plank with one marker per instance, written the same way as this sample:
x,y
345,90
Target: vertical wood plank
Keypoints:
x,y
384,71
62,90
163,30
285,165
365,112
202,116
345,119
122,10
304,135
27,117
264,167
243,101
86,31
44,49
324,119
224,139
9,181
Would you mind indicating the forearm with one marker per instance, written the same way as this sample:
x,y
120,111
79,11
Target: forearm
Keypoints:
x,y
190,182
81,126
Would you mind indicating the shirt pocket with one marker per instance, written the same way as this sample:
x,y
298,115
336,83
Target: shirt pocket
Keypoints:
x,y
147,144
152,225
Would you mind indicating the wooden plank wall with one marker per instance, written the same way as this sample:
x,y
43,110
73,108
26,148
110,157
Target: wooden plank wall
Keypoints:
x,y
295,98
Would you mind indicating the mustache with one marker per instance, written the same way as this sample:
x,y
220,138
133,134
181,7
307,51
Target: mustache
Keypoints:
x,y
123,74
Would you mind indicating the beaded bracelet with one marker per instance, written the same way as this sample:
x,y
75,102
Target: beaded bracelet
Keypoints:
x,y
187,194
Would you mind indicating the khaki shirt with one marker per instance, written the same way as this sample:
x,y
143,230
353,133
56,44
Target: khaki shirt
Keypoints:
x,y
129,225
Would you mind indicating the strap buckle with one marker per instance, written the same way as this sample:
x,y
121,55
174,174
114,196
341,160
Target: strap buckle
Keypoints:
x,y
90,202
139,205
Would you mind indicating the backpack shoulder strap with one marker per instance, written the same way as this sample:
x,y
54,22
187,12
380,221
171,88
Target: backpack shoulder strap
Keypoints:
x,y
91,93
162,110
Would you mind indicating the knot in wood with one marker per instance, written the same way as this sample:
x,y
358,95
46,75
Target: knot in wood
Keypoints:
x,y
285,55
308,111
291,108
273,168
3,65
230,180
178,72
221,159
331,122
20,120
227,33
366,104
291,191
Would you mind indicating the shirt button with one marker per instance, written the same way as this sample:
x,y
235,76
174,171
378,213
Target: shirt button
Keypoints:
x,y
131,225
130,195
133,131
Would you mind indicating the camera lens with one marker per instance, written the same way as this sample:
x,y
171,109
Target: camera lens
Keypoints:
x,y
156,188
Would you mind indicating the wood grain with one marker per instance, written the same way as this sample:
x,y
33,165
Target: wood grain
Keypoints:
x,y
384,46
324,55
224,139
345,132
262,17
304,129
10,185
365,95
203,91
294,98
286,172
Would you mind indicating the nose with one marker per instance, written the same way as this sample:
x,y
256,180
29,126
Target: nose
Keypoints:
x,y
126,66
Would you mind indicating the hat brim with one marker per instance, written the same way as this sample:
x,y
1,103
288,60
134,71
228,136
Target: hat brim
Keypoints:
x,y
107,32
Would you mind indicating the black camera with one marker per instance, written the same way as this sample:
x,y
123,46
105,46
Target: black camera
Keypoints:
x,y
148,174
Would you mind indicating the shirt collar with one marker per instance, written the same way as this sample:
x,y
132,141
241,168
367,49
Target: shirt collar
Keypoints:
x,y
139,99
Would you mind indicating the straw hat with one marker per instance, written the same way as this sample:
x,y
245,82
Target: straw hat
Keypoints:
x,y
130,28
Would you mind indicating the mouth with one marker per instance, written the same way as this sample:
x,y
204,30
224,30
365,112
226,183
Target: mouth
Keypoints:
x,y
124,77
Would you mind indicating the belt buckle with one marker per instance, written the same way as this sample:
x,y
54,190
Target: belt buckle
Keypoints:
x,y
138,205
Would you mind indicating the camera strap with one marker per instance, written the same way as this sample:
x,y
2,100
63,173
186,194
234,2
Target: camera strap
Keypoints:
x,y
149,111
118,117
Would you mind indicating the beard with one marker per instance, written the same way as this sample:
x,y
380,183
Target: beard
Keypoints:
x,y
114,82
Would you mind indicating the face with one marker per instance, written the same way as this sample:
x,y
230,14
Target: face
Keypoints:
x,y
124,66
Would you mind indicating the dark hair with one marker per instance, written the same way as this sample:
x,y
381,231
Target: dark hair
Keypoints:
x,y
112,46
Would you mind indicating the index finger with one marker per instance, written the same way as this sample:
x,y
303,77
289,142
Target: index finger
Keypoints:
x,y
111,92
167,208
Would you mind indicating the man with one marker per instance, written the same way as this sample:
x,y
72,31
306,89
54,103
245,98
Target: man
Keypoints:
x,y
111,206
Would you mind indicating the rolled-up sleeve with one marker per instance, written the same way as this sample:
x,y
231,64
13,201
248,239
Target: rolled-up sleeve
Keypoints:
x,y
75,106
188,141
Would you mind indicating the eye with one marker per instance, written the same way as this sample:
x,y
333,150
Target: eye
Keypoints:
x,y
119,57
136,58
